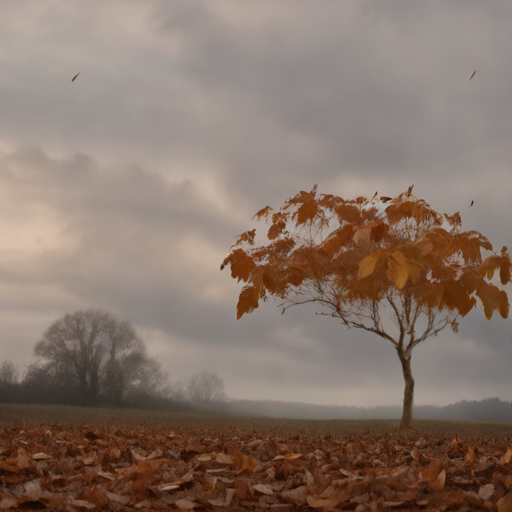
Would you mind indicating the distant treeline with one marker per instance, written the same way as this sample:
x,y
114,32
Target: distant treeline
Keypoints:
x,y
489,409
92,358
41,386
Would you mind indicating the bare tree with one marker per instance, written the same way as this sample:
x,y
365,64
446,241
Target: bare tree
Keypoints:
x,y
95,353
9,374
205,386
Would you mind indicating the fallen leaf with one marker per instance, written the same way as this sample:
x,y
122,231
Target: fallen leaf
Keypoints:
x,y
505,503
392,504
168,487
486,491
507,457
144,504
264,489
137,456
41,456
97,496
8,503
185,504
361,498
438,484
115,497
23,460
222,458
297,495
322,503
105,474
81,503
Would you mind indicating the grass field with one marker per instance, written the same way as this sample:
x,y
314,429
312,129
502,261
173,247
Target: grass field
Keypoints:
x,y
178,421
73,458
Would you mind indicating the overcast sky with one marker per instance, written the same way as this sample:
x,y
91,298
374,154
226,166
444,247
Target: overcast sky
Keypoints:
x,y
124,189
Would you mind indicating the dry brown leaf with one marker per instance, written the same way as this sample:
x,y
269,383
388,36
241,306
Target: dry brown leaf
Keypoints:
x,y
505,504
507,457
394,504
97,496
361,498
143,504
486,491
41,456
137,456
81,504
222,458
115,497
296,496
8,502
185,504
321,503
438,484
264,489
23,460
168,487
471,457
105,474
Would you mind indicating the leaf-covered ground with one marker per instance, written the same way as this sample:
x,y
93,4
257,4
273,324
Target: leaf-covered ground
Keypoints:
x,y
245,464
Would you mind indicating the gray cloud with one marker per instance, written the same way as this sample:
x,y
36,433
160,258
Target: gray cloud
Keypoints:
x,y
125,188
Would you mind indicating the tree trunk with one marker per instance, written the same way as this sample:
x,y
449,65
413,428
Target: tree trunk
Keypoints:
x,y
406,422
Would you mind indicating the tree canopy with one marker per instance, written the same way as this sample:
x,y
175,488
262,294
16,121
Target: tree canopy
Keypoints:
x,y
364,260
94,353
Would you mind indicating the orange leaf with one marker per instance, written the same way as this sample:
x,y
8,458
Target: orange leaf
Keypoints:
x,y
338,239
248,236
362,234
379,231
398,270
295,275
241,264
306,212
348,213
456,297
248,301
367,265
264,212
278,225
492,298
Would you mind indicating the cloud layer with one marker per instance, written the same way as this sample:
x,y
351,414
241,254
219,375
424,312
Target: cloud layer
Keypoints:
x,y
125,188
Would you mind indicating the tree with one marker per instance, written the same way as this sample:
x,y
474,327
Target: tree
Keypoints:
x,y
205,386
364,261
93,353
9,382
9,374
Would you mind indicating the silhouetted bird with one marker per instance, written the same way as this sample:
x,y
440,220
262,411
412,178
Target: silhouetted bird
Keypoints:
x,y
74,78
472,75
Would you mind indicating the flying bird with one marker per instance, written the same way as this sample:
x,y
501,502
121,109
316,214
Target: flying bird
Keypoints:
x,y
74,78
472,76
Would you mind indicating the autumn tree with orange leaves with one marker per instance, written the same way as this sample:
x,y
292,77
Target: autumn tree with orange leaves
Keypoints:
x,y
365,260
